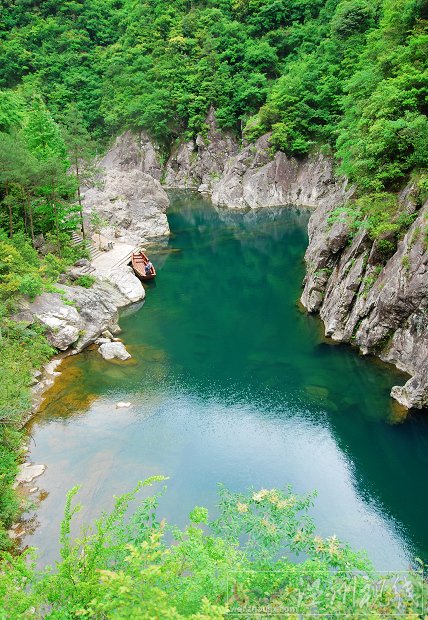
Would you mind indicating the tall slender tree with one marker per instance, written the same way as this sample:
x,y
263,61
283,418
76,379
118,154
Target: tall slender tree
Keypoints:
x,y
81,151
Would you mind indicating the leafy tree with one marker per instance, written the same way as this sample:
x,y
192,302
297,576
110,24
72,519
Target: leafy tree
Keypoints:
x,y
81,152
98,223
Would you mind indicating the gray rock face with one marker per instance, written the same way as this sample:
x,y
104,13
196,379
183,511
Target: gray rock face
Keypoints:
x,y
133,151
202,161
128,194
254,179
93,310
216,164
114,350
250,177
382,309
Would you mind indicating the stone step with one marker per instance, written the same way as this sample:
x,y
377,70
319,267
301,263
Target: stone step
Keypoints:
x,y
125,260
95,253
87,269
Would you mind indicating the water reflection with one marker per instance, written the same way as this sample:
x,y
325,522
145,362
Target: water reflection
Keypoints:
x,y
231,382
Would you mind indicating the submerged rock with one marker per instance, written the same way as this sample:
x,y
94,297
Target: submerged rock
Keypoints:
x,y
28,472
114,350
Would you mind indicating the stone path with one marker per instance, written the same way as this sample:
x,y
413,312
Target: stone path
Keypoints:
x,y
120,255
104,262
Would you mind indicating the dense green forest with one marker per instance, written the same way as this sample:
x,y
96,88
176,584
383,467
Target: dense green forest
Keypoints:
x,y
350,74
349,77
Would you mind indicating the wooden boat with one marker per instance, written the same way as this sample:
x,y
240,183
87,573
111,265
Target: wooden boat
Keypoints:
x,y
139,261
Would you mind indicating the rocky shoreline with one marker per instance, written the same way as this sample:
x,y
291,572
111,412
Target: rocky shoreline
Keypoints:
x,y
389,319
380,308
78,317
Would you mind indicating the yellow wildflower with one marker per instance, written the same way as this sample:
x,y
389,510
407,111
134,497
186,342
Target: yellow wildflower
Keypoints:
x,y
260,495
319,544
273,497
333,545
299,536
271,527
242,507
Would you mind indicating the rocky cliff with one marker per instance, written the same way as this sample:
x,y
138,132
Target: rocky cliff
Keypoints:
x,y
127,193
250,176
380,308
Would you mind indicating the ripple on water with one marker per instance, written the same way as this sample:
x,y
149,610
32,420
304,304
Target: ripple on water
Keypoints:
x,y
231,382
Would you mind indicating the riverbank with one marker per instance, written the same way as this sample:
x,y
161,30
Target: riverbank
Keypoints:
x,y
380,271
264,401
131,203
71,319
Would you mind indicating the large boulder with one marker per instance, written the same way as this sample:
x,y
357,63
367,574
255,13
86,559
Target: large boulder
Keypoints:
x,y
114,350
62,322
127,283
78,315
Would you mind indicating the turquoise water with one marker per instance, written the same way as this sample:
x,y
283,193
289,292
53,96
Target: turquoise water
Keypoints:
x,y
232,382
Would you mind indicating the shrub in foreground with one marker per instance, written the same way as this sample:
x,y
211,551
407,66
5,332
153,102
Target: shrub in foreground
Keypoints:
x,y
260,556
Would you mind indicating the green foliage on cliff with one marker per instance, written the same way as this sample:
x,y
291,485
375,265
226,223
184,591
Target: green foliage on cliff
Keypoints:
x,y
239,565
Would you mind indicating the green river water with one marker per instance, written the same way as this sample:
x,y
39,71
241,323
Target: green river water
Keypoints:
x,y
232,382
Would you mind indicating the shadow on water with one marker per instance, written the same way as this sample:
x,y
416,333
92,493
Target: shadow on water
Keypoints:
x,y
232,382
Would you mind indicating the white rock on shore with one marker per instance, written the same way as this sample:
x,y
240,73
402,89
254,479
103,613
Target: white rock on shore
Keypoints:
x,y
114,350
125,280
94,310
28,472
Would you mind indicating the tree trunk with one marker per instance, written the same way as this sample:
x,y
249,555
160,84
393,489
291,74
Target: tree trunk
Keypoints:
x,y
55,211
30,213
9,206
24,206
79,198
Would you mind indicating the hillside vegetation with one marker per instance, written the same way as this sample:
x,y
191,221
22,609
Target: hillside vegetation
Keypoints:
x,y
350,74
39,209
348,77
